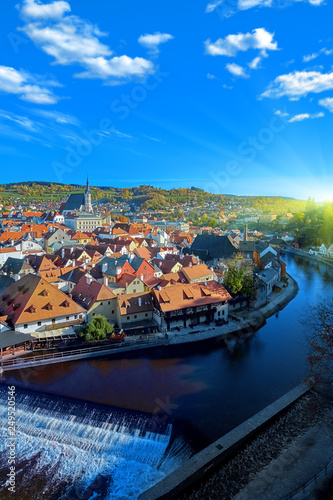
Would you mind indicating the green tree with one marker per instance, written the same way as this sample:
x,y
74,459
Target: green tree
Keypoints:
x,y
97,329
239,278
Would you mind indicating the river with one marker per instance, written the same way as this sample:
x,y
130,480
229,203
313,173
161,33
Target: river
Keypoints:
x,y
203,391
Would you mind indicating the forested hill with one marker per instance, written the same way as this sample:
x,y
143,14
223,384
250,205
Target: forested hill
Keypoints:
x,y
145,196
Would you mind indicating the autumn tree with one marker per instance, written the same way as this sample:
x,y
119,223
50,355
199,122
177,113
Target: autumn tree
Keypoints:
x,y
319,326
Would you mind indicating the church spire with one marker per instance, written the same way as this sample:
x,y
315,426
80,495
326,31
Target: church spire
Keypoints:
x,y
87,199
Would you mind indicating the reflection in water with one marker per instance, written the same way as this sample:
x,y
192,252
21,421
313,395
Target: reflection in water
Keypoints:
x,y
207,386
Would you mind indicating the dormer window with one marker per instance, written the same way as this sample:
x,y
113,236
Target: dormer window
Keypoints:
x,y
49,306
44,293
32,309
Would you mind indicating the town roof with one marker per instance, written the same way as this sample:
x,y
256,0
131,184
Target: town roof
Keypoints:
x,y
268,274
9,338
73,275
75,202
88,291
5,281
14,266
182,296
135,303
33,299
196,272
143,252
211,246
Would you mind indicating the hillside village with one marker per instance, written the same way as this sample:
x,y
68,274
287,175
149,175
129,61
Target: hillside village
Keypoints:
x,y
61,267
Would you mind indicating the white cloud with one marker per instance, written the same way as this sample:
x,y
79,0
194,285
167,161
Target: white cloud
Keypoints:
x,y
25,86
37,10
298,84
237,70
56,116
249,4
305,116
229,46
213,5
310,57
23,121
327,103
255,63
71,40
211,77
278,112
232,7
153,41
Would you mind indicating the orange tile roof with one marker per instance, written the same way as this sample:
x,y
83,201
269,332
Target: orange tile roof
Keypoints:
x,y
33,299
143,252
196,272
182,296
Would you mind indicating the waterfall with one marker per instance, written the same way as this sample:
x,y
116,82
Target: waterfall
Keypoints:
x,y
68,449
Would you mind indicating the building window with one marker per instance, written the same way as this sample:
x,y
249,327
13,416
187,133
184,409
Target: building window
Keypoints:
x,y
127,317
53,321
146,315
109,302
112,312
25,326
219,313
67,318
39,323
75,317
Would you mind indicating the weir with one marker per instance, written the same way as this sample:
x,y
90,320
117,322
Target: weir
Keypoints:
x,y
71,447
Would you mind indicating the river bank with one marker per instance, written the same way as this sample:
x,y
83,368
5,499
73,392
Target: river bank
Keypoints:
x,y
243,323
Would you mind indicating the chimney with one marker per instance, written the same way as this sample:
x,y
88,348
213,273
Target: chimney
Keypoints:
x,y
62,253
118,271
104,267
245,233
140,301
17,277
105,281
89,280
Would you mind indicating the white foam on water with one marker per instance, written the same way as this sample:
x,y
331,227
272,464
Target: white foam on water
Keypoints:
x,y
77,449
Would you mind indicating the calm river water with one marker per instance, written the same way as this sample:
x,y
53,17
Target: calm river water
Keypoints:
x,y
205,388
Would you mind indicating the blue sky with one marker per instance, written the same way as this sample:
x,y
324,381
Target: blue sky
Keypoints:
x,y
233,96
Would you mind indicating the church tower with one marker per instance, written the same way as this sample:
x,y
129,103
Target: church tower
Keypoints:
x,y
87,199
